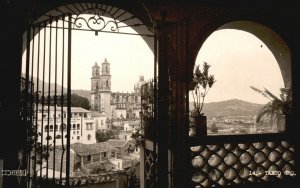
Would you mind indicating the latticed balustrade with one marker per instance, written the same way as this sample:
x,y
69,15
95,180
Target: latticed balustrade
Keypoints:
x,y
236,163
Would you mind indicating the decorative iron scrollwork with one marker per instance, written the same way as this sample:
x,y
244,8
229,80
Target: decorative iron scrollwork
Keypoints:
x,y
96,22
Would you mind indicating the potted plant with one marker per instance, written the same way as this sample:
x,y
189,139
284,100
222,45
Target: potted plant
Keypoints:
x,y
277,109
202,84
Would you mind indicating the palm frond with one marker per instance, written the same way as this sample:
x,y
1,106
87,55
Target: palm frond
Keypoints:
x,y
269,93
277,105
259,91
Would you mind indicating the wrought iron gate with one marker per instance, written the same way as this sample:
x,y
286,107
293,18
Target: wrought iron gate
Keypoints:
x,y
45,108
46,103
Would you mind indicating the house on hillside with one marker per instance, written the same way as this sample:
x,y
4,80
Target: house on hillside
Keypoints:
x,y
90,157
123,147
101,120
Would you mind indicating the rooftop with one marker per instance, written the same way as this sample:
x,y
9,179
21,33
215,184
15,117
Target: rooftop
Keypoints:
x,y
73,109
117,143
90,149
96,114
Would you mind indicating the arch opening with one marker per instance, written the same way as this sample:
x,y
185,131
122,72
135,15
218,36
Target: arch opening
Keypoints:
x,y
243,54
47,53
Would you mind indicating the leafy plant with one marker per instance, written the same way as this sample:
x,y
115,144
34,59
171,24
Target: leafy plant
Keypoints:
x,y
277,105
103,136
203,82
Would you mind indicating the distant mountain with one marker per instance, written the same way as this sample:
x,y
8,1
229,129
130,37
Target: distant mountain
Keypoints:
x,y
39,83
82,93
233,107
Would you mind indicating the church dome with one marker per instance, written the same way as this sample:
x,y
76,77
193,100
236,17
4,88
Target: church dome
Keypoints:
x,y
140,82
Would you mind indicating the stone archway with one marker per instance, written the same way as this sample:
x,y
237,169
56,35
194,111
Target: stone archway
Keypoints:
x,y
274,42
68,14
142,23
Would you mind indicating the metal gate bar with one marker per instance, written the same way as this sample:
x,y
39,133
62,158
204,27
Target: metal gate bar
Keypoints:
x,y
69,101
39,103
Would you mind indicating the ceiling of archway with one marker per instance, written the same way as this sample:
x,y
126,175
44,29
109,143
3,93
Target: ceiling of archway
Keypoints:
x,y
98,18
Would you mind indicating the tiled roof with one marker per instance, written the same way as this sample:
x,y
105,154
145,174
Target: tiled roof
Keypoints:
x,y
58,108
117,143
120,143
96,114
77,109
90,149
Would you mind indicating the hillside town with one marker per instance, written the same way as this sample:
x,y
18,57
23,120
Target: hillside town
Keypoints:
x,y
100,139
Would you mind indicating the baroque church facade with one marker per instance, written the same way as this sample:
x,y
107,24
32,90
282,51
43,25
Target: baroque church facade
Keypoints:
x,y
117,105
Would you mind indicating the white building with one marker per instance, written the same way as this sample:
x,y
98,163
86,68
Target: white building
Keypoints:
x,y
101,121
54,126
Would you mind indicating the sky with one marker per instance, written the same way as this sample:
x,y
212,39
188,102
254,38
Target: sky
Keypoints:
x,y
129,57
238,60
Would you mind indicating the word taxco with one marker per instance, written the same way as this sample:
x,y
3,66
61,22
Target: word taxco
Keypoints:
x,y
14,172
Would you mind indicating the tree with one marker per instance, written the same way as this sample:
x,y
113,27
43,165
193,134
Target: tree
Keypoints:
x,y
76,101
277,105
103,136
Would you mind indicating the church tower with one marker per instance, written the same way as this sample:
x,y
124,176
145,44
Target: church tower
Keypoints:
x,y
105,88
95,86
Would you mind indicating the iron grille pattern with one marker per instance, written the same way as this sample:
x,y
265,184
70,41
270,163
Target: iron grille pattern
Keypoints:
x,y
147,111
150,160
148,121
236,163
80,180
98,18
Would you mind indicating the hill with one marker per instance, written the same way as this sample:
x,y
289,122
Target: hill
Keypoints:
x,y
80,92
233,107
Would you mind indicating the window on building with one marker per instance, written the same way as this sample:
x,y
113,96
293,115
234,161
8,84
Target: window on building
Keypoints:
x,y
87,159
89,137
51,128
63,126
56,127
78,126
58,137
96,158
46,128
74,126
89,126
78,137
